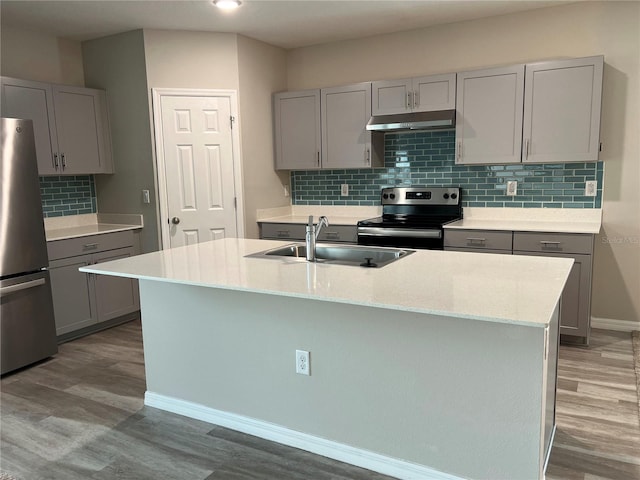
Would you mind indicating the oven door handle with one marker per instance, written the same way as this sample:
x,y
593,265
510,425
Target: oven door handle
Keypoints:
x,y
399,232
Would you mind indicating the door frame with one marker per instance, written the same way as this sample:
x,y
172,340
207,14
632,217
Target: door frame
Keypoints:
x,y
157,95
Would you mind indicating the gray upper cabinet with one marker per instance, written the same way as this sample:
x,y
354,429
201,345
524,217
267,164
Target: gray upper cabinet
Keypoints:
x,y
546,112
297,130
345,112
489,115
562,104
71,125
34,101
421,94
84,140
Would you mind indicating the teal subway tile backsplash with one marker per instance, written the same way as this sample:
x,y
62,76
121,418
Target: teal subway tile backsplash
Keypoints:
x,y
71,195
427,159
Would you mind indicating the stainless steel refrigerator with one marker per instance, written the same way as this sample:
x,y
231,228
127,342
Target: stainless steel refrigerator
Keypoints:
x,y
28,331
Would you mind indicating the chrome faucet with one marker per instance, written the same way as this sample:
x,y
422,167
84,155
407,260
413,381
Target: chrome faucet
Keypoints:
x,y
312,232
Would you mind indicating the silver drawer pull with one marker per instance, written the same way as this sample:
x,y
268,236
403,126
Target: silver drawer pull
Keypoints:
x,y
547,242
90,246
473,239
283,233
21,286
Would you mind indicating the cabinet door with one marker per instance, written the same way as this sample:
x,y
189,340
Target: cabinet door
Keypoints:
x,y
562,110
34,101
72,291
115,296
489,116
434,92
392,96
297,130
575,314
345,141
78,124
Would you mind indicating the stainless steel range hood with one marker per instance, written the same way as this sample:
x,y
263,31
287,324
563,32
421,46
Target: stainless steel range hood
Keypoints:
x,y
413,121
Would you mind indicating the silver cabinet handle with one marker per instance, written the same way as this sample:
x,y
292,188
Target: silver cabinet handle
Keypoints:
x,y
408,99
55,160
526,149
476,239
90,246
416,100
21,286
318,158
175,220
367,156
283,233
64,161
547,242
459,156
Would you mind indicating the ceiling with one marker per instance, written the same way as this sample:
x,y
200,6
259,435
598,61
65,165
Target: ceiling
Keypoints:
x,y
284,23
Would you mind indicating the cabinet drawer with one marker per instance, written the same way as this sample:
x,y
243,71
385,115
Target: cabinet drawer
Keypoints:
x,y
477,250
71,247
339,233
283,231
478,239
553,242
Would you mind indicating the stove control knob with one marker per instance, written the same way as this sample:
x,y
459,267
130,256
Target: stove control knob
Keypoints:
x,y
393,195
385,196
454,195
446,196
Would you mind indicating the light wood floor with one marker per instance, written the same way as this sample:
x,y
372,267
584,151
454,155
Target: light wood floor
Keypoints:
x,y
81,416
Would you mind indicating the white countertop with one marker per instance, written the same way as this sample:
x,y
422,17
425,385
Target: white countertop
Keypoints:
x,y
498,288
556,220
337,215
62,228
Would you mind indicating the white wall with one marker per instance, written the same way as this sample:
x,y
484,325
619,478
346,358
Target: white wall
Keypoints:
x,y
591,28
262,71
36,56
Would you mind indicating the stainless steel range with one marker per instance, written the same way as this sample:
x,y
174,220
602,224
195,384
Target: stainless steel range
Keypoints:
x,y
412,217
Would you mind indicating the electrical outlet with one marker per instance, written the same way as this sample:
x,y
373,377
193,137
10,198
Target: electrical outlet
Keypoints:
x,y
286,190
145,196
591,188
344,190
512,188
302,362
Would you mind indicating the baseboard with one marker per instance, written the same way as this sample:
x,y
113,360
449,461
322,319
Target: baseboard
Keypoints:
x,y
320,446
613,324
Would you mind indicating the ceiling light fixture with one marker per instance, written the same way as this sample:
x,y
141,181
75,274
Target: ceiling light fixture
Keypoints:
x,y
227,4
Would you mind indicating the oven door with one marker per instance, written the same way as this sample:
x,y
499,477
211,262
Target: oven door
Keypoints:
x,y
425,238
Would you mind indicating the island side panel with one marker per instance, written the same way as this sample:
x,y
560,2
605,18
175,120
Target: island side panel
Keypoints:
x,y
551,380
460,396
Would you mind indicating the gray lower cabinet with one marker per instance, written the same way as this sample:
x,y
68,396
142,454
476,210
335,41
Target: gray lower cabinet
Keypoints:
x,y
575,314
84,301
296,231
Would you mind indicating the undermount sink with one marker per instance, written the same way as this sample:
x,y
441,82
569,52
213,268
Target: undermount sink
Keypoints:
x,y
356,255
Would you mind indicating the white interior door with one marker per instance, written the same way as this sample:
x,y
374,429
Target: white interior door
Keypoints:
x,y
197,149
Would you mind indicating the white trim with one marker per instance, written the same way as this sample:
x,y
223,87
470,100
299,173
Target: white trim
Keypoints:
x,y
157,94
613,324
338,451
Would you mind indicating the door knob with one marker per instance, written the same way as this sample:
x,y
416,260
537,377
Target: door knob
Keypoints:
x,y
175,220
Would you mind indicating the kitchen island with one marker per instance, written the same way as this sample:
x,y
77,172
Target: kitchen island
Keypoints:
x,y
439,365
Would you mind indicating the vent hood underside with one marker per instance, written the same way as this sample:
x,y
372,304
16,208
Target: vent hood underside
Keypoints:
x,y
413,121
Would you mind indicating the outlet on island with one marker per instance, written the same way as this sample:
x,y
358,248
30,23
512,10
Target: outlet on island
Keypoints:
x,y
344,190
302,362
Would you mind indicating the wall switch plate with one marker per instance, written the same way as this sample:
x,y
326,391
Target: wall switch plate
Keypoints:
x,y
591,188
344,190
145,196
286,191
302,362
512,188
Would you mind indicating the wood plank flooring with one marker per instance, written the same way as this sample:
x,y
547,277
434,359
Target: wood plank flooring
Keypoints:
x,y
81,416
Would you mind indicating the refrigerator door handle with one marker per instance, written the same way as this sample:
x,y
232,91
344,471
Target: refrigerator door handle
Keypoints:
x,y
21,286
